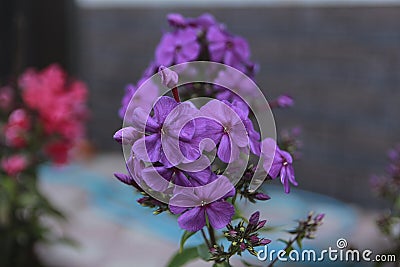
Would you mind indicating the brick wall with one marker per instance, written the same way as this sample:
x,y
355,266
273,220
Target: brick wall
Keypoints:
x,y
342,66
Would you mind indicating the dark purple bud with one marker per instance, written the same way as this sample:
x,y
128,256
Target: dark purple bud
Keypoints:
x,y
242,246
319,217
285,101
254,218
261,196
254,239
125,178
176,20
265,241
142,200
169,78
261,224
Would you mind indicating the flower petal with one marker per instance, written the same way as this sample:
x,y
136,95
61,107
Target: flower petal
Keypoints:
x,y
227,151
185,197
215,190
157,178
193,220
220,213
163,107
148,148
142,121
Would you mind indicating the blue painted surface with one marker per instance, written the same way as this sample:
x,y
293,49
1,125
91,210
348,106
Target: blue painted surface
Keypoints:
x,y
117,202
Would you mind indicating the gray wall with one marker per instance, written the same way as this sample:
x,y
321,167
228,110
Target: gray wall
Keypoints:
x,y
341,65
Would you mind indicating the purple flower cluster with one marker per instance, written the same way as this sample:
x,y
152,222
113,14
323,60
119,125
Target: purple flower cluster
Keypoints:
x,y
192,39
171,139
182,150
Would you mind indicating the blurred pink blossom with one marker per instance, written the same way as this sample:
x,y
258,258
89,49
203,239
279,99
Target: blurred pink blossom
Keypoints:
x,y
15,164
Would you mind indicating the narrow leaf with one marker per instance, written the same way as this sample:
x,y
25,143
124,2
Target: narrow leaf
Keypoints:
x,y
186,235
181,258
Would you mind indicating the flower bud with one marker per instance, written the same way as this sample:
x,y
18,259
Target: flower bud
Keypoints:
x,y
265,241
14,165
285,101
261,196
169,78
127,136
254,218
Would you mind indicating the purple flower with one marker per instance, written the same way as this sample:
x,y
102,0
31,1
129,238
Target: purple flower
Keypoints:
x,y
239,85
159,178
169,78
169,133
196,203
231,50
224,127
143,95
279,165
283,101
177,47
242,110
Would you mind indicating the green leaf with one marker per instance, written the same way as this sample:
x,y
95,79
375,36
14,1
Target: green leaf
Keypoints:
x,y
204,252
186,235
397,203
182,258
289,249
298,241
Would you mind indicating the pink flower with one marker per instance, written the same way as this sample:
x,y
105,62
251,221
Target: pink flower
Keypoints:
x,y
61,105
16,129
14,165
58,151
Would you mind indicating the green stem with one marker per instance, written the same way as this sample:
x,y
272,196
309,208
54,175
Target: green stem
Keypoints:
x,y
212,235
234,198
205,238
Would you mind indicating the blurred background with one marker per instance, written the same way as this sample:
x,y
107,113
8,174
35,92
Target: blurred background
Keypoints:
x,y
340,60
